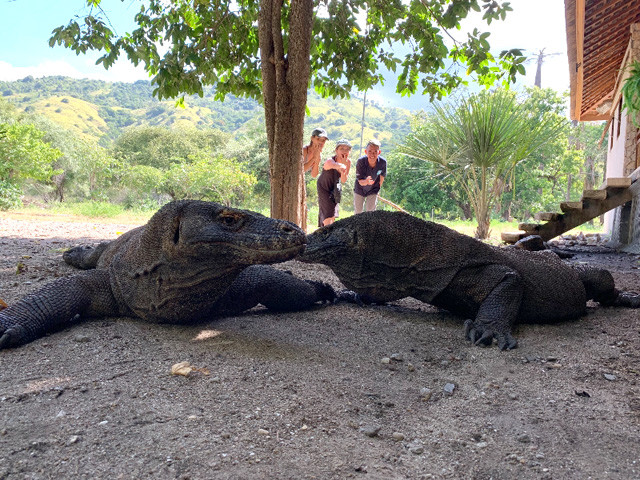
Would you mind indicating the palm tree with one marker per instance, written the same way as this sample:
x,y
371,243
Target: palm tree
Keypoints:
x,y
478,141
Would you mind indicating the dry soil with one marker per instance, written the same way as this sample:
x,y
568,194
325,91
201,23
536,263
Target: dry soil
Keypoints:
x,y
385,392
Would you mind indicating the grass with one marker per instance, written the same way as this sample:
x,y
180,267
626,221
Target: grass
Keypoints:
x,y
112,213
81,212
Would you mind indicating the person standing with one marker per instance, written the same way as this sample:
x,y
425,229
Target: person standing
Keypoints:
x,y
310,161
334,173
370,172
311,153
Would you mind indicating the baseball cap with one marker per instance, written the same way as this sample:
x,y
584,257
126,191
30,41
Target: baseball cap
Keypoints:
x,y
343,142
319,132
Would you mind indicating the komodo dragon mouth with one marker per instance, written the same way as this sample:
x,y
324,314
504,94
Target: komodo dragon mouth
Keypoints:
x,y
285,251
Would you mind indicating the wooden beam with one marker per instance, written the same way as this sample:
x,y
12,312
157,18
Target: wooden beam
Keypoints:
x,y
616,182
547,216
594,194
512,237
580,9
570,206
388,202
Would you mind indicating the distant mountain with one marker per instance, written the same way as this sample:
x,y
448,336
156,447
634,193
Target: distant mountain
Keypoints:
x,y
101,110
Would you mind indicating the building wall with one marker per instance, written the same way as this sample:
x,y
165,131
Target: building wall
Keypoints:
x,y
615,157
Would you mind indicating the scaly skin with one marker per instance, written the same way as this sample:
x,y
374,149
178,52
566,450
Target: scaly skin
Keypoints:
x,y
385,256
192,261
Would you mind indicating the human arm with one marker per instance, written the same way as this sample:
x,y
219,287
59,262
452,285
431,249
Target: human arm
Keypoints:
x,y
361,171
366,181
310,161
345,173
331,164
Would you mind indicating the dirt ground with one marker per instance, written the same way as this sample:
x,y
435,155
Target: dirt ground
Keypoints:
x,y
385,392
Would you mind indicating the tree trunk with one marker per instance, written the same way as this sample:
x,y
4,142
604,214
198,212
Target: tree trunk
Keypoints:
x,y
285,79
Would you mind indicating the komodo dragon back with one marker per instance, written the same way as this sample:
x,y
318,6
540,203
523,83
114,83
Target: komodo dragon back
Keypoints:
x,y
387,255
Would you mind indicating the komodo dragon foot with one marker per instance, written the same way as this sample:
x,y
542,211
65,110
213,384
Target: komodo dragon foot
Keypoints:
x,y
627,299
348,296
482,335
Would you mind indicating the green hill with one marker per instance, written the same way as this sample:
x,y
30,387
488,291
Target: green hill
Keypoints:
x,y
101,110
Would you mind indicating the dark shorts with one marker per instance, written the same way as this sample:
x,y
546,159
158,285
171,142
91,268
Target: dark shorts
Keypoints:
x,y
328,208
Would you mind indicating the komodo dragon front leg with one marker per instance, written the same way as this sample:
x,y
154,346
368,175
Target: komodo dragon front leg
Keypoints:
x,y
56,305
493,295
600,287
275,289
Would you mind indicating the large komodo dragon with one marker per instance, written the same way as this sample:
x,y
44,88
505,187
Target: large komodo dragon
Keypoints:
x,y
191,261
385,256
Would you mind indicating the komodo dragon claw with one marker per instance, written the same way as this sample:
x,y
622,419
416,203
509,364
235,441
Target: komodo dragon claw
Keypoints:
x,y
11,336
482,335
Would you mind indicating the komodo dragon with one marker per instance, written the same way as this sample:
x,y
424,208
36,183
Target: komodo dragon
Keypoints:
x,y
385,256
191,261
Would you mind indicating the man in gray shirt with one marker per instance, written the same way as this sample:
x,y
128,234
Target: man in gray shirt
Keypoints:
x,y
370,172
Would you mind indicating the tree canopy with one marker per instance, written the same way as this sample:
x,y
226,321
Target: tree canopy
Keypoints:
x,y
273,50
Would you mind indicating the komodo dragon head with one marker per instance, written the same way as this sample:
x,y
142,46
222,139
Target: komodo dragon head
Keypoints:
x,y
203,230
189,253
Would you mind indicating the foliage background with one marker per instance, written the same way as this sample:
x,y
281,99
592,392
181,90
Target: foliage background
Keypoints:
x,y
119,144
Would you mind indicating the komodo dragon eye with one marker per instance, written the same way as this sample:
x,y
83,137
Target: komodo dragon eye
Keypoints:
x,y
230,220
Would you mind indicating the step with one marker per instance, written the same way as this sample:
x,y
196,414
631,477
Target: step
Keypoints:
x,y
547,216
512,237
570,206
616,182
531,228
594,195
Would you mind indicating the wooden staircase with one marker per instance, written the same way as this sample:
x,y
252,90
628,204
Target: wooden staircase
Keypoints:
x,y
613,193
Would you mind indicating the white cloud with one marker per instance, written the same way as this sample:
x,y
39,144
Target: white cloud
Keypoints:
x,y
121,71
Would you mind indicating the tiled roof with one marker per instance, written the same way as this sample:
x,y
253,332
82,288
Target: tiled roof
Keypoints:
x,y
598,33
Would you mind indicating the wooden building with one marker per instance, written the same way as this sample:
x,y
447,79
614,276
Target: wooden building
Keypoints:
x,y
603,38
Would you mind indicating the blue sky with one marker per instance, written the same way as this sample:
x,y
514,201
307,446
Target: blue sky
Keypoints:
x,y
26,25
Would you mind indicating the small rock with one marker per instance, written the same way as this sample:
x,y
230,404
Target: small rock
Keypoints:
x,y
397,436
416,448
524,438
410,367
425,393
397,357
481,445
82,338
73,439
449,388
609,377
262,431
385,361
370,430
